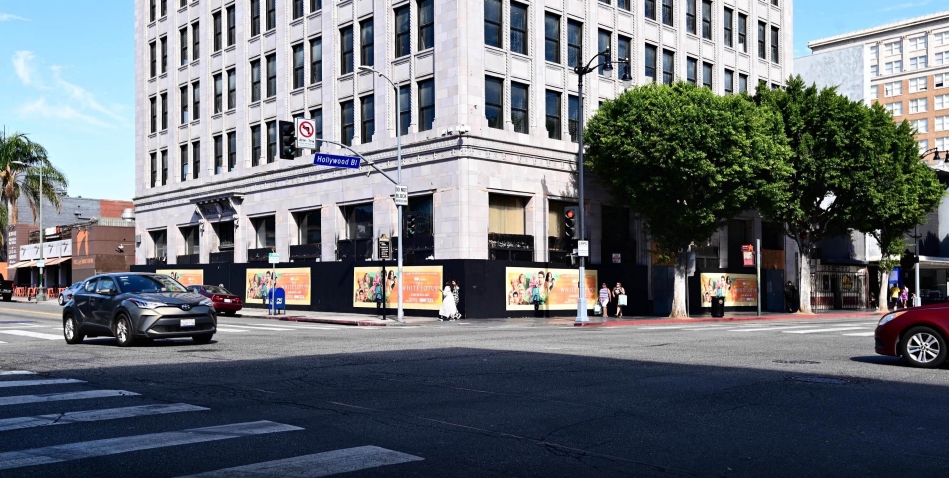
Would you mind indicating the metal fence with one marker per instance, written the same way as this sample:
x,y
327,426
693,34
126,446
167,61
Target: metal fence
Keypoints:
x,y
839,290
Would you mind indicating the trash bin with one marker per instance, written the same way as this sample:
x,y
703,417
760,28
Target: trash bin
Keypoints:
x,y
718,307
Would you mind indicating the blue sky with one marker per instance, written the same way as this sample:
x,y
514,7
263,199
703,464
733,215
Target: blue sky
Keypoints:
x,y
67,76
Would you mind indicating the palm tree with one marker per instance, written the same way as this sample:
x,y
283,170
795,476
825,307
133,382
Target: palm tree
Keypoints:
x,y
22,163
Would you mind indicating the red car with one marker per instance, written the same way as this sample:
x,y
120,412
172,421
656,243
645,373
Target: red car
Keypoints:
x,y
224,301
917,334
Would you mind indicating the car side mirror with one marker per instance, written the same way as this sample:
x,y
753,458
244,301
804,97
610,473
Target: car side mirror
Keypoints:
x,y
106,292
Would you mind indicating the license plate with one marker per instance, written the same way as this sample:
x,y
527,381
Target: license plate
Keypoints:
x,y
227,301
187,322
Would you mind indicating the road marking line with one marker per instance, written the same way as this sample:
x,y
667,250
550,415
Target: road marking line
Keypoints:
x,y
56,397
816,331
303,327
31,383
17,372
226,329
20,326
27,312
253,327
319,464
35,335
95,415
763,329
860,334
114,446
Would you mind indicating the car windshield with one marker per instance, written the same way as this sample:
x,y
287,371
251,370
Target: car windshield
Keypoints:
x,y
149,283
217,290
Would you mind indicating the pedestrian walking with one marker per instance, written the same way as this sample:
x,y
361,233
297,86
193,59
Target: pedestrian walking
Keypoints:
x,y
456,292
904,296
448,309
790,297
894,297
605,296
619,295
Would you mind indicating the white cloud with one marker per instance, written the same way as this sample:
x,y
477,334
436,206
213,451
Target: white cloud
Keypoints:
x,y
79,94
9,16
23,65
43,109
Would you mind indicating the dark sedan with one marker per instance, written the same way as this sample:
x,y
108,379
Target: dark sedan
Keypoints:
x,y
223,300
917,334
130,306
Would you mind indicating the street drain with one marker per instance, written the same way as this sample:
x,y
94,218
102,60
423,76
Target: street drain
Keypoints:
x,y
796,362
827,380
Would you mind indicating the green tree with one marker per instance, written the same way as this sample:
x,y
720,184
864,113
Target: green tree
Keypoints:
x,y
829,136
899,190
21,161
685,161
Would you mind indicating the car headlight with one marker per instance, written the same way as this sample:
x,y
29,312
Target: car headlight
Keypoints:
x,y
145,304
206,303
888,317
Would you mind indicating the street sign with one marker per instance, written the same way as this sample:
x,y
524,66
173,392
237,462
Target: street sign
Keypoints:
x,y
385,251
273,258
335,160
306,133
401,195
748,255
40,263
583,248
617,258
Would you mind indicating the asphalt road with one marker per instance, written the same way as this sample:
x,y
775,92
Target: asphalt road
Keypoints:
x,y
766,399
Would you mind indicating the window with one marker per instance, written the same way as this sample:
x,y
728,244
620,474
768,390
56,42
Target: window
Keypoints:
x,y
183,161
348,114
668,67
426,105
151,10
762,41
690,20
231,26
272,75
727,24
316,60
743,32
255,145
917,84
667,9
707,75
492,24
893,48
309,231
297,9
519,108
917,106
552,37
164,167
164,54
254,17
231,151
358,222
265,231
896,109
574,43
152,60
271,14
874,71
494,102
231,89
216,21
183,41
196,100
195,41
367,113
506,214
316,5
941,58
552,107
707,19
196,158
874,52
298,70
153,161
874,92
650,12
153,119
921,125
941,102
426,24
160,239
346,50
573,117
603,44
650,71
940,39
918,43
183,94
892,89
366,41
164,7
255,80
218,93
218,154
942,144
623,51
519,28
164,111
271,141
729,82
915,63
742,83
192,240
317,116
405,108
692,71
941,81
775,45
403,45
923,145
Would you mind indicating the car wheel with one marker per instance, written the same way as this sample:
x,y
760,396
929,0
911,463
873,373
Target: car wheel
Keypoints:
x,y
123,331
202,339
62,300
923,347
7,297
71,331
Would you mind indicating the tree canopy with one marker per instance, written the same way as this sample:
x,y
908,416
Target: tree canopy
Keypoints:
x,y
21,163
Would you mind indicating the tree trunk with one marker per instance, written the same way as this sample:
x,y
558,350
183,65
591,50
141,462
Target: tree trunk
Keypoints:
x,y
804,277
883,300
679,289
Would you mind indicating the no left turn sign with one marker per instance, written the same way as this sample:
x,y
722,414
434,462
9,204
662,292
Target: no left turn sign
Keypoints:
x,y
306,133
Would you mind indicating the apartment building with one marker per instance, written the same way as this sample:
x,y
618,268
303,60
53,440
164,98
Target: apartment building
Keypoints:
x,y
489,109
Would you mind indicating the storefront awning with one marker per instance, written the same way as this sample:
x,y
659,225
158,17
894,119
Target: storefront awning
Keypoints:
x,y
22,264
933,262
57,260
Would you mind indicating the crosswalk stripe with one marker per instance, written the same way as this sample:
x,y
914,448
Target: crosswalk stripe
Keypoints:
x,y
861,334
16,372
33,383
318,464
35,335
56,397
95,415
254,327
304,327
816,331
114,446
762,329
227,329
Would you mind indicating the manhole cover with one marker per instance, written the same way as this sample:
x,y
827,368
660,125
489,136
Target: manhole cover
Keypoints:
x,y
797,362
833,381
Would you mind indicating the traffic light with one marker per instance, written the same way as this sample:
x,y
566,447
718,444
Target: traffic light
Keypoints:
x,y
570,216
288,139
410,225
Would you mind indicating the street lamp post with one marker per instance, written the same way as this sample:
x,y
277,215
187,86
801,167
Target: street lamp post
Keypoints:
x,y
41,292
582,71
916,236
400,315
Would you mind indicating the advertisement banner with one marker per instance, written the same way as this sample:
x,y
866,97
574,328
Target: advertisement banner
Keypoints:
x,y
187,277
422,286
295,282
739,290
547,289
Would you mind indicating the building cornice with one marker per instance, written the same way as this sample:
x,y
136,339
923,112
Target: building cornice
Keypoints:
x,y
912,22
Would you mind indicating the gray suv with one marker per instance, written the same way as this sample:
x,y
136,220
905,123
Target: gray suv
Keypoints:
x,y
130,306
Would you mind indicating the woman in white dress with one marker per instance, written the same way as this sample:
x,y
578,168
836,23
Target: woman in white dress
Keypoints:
x,y
448,309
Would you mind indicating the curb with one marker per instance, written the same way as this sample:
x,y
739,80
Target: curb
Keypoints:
x,y
314,320
622,323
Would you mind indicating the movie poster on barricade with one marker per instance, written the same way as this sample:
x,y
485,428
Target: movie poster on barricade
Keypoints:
x,y
187,277
294,281
547,289
422,286
739,290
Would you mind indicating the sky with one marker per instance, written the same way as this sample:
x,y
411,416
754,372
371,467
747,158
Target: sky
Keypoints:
x,y
67,76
